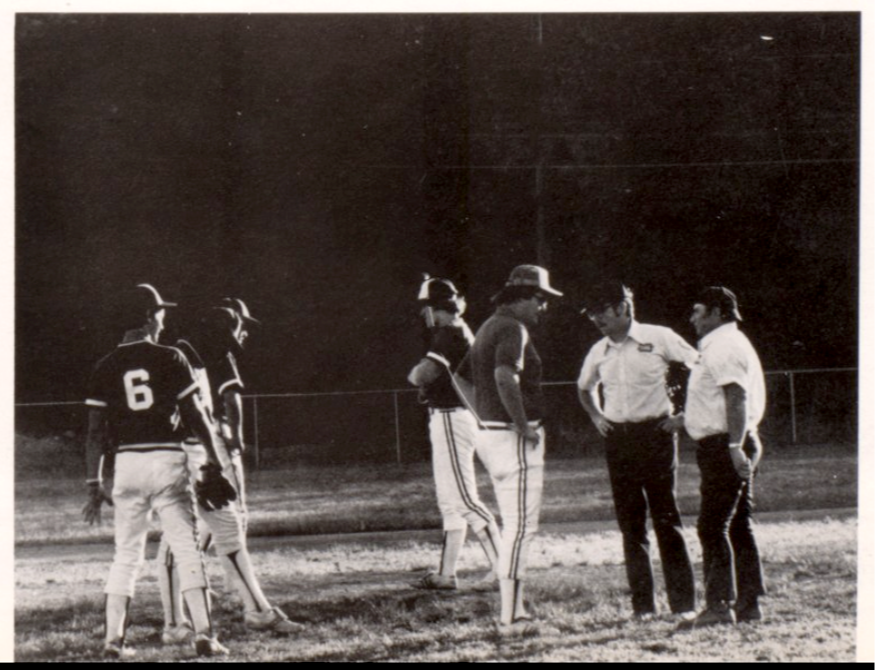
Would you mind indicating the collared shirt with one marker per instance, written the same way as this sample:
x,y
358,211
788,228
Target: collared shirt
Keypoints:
x,y
633,372
504,341
727,357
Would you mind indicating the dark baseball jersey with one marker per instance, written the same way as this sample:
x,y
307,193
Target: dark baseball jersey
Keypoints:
x,y
224,377
503,340
140,385
201,375
449,345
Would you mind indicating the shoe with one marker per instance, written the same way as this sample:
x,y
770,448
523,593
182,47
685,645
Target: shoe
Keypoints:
x,y
644,617
179,634
711,616
519,625
487,583
115,649
751,612
204,645
435,582
682,617
274,620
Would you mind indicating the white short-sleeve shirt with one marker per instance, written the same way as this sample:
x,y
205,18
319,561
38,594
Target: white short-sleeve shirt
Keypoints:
x,y
727,357
632,372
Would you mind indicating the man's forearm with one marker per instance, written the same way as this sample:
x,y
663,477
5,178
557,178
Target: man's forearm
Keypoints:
x,y
736,413
95,445
511,396
234,415
588,403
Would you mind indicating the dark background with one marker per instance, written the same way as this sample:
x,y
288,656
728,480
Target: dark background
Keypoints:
x,y
314,165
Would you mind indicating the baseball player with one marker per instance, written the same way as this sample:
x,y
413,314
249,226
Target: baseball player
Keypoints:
x,y
452,429
505,369
211,352
138,393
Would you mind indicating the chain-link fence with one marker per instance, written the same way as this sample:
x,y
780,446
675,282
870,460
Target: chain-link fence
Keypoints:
x,y
804,407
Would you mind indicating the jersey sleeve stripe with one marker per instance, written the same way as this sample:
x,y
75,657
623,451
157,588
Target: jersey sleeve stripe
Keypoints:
x,y
231,382
91,402
437,357
191,389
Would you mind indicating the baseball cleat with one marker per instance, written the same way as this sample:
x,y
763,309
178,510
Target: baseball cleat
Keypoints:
x,y
714,615
115,649
179,634
681,617
748,613
204,645
435,582
274,620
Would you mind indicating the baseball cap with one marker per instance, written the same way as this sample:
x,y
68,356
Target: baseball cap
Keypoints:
x,y
435,290
238,306
150,298
722,297
605,294
531,275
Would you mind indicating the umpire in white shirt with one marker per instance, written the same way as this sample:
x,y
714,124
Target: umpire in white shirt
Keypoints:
x,y
726,398
630,364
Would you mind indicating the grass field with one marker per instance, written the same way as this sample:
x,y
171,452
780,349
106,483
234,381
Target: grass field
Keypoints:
x,y
343,499
355,593
358,605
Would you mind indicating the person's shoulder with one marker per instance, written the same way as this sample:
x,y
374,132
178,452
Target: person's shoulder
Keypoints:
x,y
600,346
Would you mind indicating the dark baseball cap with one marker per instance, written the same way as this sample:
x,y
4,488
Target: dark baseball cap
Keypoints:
x,y
604,294
240,308
722,297
436,290
148,296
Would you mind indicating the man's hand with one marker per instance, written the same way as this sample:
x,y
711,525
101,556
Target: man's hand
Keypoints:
x,y
97,495
741,462
603,426
672,424
531,435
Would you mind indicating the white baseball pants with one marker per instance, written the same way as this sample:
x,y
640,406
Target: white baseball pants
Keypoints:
x,y
453,437
517,471
147,481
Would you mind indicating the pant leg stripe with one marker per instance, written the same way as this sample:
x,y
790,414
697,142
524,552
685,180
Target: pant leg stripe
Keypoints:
x,y
457,472
522,491
233,558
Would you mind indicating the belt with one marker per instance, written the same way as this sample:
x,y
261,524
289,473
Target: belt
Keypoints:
x,y
639,424
147,448
445,410
505,425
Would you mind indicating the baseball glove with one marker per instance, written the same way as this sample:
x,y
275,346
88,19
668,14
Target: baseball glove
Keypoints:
x,y
97,495
212,489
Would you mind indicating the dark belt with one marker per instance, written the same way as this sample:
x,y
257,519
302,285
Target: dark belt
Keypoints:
x,y
633,425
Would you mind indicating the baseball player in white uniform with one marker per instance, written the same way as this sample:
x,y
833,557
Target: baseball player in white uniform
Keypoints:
x,y
138,394
211,353
505,370
452,429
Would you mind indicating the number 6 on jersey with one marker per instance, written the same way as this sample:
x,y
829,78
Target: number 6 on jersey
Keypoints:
x,y
137,390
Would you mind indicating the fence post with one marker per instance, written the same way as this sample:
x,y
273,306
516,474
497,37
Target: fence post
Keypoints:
x,y
255,454
792,407
397,429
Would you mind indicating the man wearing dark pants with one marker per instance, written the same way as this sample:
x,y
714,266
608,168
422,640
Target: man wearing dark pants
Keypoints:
x,y
725,404
630,364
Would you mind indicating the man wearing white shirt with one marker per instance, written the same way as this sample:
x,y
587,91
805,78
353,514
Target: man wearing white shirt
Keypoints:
x,y
726,399
630,364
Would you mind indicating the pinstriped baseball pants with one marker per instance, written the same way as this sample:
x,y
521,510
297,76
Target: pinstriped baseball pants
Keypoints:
x,y
517,471
145,482
453,434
